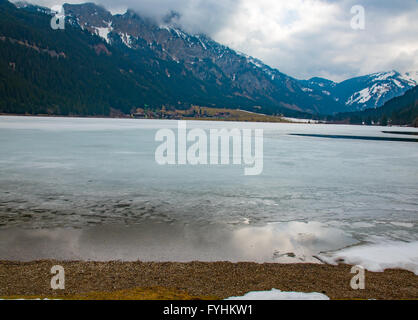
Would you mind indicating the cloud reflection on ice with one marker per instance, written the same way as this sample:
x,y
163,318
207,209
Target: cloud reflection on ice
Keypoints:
x,y
279,242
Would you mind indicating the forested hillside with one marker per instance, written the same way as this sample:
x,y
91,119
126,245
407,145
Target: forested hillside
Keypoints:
x,y
74,72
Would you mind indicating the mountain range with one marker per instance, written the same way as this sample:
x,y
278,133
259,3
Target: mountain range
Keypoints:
x,y
366,92
105,64
401,110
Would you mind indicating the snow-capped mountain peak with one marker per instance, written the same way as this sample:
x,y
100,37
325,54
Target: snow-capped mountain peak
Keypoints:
x,y
411,77
370,91
374,90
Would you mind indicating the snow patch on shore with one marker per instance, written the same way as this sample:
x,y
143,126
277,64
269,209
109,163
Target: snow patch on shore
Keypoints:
x,y
280,295
296,120
377,257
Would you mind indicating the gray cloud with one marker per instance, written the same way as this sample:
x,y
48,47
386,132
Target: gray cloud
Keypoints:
x,y
302,38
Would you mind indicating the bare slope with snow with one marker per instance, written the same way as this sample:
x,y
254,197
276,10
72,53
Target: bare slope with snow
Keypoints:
x,y
370,91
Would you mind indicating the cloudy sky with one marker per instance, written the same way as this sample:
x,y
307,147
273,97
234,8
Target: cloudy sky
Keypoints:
x,y
303,38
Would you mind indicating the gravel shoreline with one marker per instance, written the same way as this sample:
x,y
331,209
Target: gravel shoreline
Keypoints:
x,y
196,280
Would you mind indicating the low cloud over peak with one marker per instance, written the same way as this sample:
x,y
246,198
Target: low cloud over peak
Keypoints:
x,y
303,38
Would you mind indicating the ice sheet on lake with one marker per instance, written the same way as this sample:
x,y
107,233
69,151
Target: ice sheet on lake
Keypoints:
x,y
315,194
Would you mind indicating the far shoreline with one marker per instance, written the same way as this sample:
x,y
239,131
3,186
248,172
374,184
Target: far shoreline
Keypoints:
x,y
132,118
286,120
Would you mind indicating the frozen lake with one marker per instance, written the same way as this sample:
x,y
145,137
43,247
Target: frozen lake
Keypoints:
x,y
74,181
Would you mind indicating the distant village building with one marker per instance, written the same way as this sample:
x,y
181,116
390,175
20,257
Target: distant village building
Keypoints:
x,y
139,114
